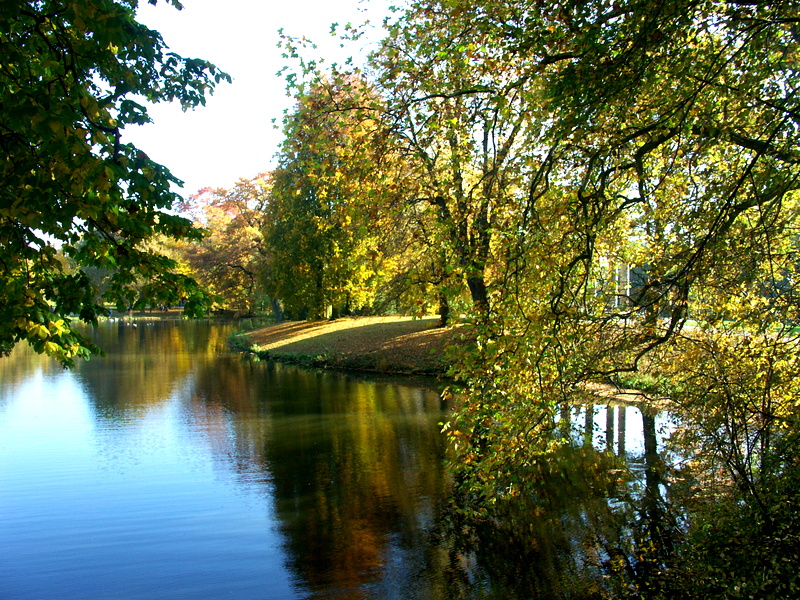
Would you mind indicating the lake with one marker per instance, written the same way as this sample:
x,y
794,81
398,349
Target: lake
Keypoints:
x,y
174,468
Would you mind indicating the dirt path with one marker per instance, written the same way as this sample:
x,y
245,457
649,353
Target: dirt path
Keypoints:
x,y
377,344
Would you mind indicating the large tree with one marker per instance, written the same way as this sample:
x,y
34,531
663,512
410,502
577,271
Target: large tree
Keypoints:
x,y
656,232
460,122
73,75
327,222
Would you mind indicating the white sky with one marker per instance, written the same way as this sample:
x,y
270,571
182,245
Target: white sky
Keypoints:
x,y
233,135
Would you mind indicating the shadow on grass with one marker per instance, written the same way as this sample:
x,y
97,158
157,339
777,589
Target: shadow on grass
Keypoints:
x,y
408,346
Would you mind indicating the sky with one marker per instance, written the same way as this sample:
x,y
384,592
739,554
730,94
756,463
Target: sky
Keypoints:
x,y
234,135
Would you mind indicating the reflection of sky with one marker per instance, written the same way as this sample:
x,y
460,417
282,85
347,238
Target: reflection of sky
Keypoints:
x,y
135,507
627,419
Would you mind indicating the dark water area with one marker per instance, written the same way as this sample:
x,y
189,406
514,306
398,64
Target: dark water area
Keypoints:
x,y
174,468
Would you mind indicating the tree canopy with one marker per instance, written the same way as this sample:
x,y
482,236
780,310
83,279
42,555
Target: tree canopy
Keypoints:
x,y
327,223
73,75
229,262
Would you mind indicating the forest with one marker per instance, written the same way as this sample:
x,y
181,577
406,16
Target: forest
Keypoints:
x,y
594,192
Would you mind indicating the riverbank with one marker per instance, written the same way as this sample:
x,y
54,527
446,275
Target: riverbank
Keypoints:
x,y
395,345
386,345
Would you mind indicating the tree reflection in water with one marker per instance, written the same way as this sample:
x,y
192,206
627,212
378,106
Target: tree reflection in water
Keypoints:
x,y
593,525
356,477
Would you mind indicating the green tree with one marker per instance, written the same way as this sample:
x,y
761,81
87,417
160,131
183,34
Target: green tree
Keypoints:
x,y
326,224
461,122
71,78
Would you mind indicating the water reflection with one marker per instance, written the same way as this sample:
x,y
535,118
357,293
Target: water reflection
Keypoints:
x,y
353,468
167,448
591,520
174,465
146,362
356,483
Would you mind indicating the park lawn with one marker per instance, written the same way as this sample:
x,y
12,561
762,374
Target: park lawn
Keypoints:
x,y
393,344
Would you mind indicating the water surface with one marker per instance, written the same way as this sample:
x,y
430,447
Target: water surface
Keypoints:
x,y
173,468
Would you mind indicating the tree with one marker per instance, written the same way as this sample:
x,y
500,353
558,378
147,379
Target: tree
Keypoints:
x,y
230,261
461,123
664,139
70,79
326,224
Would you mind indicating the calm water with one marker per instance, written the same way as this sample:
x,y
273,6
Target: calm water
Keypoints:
x,y
175,469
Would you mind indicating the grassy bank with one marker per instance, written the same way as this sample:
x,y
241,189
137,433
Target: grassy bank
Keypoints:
x,y
398,345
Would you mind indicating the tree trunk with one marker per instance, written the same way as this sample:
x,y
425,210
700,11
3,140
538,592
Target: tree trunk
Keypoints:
x,y
444,309
277,310
479,294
